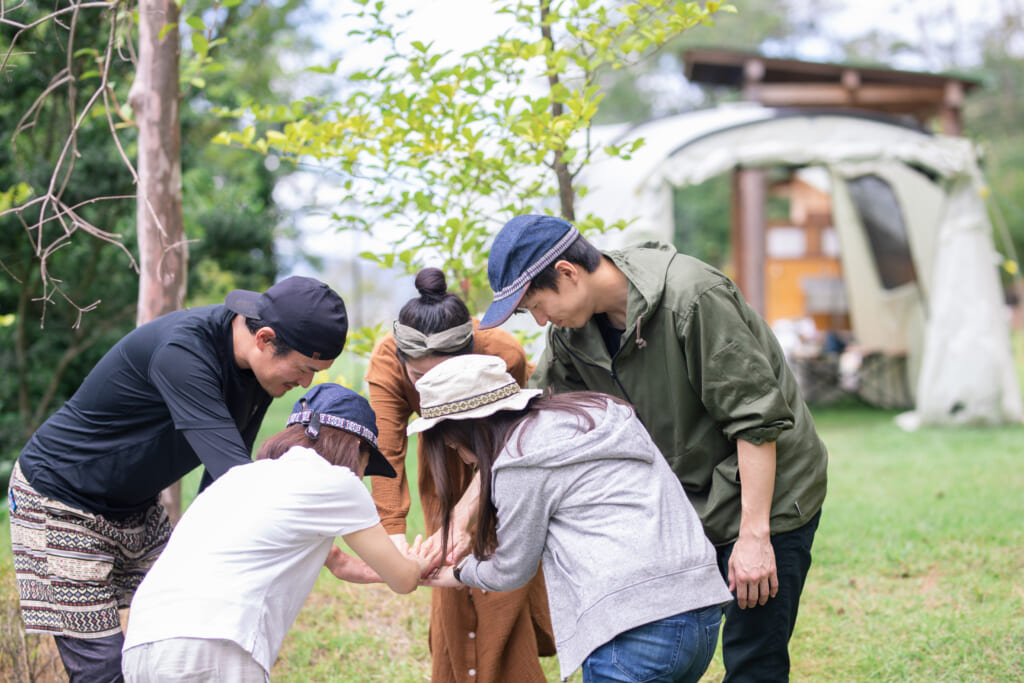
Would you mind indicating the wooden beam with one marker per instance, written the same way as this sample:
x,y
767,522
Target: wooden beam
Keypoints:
x,y
836,95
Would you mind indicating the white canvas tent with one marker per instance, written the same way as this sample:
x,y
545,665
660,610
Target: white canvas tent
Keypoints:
x,y
950,323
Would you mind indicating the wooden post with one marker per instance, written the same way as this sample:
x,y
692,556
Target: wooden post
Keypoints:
x,y
748,234
952,104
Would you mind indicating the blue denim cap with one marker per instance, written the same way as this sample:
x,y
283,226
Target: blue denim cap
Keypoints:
x,y
339,407
524,247
305,313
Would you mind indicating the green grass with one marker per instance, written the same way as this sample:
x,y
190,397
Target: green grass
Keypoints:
x,y
918,557
916,574
916,577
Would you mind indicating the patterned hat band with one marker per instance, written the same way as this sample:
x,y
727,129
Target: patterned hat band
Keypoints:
x,y
467,404
306,417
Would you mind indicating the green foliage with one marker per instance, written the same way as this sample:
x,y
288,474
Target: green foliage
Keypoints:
x,y
993,117
703,221
443,149
361,341
15,196
47,344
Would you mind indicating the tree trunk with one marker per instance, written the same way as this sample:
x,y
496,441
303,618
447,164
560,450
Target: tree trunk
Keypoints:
x,y
163,254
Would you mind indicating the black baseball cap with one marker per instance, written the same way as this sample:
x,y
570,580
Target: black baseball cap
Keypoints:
x,y
304,313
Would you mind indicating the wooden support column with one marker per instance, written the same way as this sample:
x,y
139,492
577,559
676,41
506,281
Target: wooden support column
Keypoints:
x,y
753,74
748,234
952,104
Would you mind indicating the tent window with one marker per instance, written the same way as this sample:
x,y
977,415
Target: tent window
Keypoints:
x,y
879,212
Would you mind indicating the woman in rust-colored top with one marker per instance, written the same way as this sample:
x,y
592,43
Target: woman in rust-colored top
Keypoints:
x,y
475,637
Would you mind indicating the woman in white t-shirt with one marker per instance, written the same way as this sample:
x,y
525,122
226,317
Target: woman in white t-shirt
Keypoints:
x,y
243,559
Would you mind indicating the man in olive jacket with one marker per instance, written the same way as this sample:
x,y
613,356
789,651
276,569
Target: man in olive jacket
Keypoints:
x,y
707,377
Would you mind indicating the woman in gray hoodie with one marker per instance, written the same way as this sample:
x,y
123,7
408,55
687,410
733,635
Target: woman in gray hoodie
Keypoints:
x,y
575,480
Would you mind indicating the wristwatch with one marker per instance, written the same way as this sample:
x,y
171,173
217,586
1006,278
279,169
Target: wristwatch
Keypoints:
x,y
457,569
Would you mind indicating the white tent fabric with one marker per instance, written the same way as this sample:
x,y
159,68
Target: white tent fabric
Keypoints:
x,y
967,373
951,324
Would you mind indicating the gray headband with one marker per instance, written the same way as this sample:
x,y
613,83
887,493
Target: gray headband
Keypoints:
x,y
414,344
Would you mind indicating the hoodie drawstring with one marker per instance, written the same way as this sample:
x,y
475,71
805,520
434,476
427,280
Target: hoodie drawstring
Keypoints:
x,y
640,341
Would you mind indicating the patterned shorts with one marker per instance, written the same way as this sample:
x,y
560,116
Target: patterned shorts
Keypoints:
x,y
76,568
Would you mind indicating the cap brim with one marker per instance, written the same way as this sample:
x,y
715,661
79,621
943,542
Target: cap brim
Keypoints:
x,y
500,311
243,302
378,466
516,401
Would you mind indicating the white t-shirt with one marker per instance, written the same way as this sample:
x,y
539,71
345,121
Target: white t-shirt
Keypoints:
x,y
245,555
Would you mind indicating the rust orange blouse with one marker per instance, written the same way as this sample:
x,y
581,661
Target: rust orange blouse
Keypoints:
x,y
395,399
475,637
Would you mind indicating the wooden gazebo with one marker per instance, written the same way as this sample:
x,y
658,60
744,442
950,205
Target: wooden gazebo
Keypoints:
x,y
928,100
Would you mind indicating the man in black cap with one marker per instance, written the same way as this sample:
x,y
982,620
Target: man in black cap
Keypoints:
x,y
187,389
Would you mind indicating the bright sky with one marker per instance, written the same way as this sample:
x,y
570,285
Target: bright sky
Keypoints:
x,y
951,24
462,25
458,25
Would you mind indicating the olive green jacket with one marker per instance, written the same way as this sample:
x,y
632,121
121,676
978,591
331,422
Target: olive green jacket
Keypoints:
x,y
703,369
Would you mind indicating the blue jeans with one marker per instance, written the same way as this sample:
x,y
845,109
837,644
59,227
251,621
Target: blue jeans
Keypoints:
x,y
677,649
755,641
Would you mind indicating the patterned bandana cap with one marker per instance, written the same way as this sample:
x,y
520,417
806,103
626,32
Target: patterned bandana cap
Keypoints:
x,y
467,387
521,250
341,408
414,344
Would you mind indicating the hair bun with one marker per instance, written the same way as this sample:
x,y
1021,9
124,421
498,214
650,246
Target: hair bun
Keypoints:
x,y
431,283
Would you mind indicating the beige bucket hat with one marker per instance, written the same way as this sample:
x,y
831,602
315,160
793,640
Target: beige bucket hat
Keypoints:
x,y
467,387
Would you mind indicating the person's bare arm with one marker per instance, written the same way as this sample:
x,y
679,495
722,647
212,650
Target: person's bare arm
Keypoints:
x,y
399,571
752,571
351,569
445,578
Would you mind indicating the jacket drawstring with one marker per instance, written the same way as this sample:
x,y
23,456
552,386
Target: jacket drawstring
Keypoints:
x,y
640,341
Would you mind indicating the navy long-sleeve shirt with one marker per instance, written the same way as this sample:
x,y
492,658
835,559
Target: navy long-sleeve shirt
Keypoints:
x,y
165,399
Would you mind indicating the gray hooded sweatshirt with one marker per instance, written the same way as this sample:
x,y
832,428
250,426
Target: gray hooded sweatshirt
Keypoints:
x,y
621,544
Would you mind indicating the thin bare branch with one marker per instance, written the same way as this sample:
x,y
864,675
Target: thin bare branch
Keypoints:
x,y
22,28
33,111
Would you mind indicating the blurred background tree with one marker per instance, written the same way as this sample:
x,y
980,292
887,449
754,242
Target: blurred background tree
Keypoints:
x,y
230,216
440,146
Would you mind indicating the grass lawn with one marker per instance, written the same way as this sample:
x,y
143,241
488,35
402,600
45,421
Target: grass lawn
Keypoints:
x,y
916,576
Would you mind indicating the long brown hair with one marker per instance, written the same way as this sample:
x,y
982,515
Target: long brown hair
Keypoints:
x,y
336,446
485,437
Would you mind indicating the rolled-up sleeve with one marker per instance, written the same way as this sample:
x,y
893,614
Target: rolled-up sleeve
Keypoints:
x,y
730,370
